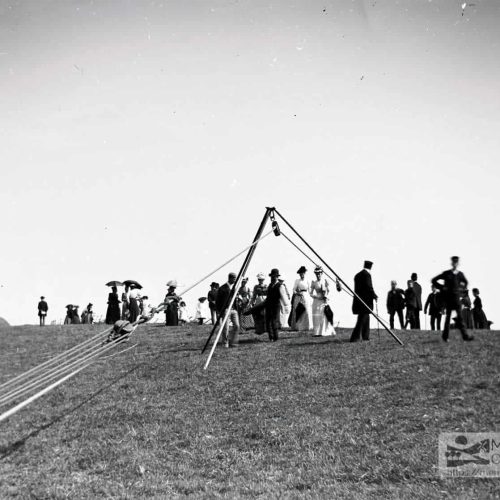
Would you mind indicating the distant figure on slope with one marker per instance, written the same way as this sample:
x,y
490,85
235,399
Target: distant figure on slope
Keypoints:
x,y
223,300
183,314
134,298
434,306
466,310
113,311
411,304
480,320
301,315
88,315
172,300
258,297
451,283
363,302
75,318
202,310
276,296
144,305
243,304
69,314
43,308
418,295
396,304
212,298
125,302
319,291
285,304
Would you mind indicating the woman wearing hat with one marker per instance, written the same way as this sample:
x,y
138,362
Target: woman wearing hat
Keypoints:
x,y
320,289
480,319
113,310
301,317
172,308
258,297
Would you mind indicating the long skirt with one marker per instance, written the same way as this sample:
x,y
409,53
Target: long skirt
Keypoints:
x,y
304,322
322,327
259,319
480,319
171,315
112,314
125,311
467,317
134,310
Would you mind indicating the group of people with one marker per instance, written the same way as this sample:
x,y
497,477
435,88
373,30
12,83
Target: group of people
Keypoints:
x,y
269,307
133,304
73,317
399,300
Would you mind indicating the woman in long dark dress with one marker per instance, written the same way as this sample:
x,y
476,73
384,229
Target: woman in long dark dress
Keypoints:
x,y
113,311
172,302
478,314
258,297
466,310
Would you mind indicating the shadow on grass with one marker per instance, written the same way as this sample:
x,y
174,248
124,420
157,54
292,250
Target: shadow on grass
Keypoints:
x,y
6,451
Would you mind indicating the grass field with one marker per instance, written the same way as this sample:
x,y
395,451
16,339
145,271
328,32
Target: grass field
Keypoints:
x,y
302,418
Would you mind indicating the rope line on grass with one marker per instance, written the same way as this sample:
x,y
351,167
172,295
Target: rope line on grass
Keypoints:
x,y
75,359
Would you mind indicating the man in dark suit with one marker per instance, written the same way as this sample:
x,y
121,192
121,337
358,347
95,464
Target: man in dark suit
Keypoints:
x,y
273,305
43,308
411,306
222,304
451,283
418,294
212,298
434,306
396,304
364,295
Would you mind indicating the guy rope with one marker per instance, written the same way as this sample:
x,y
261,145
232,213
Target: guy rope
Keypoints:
x,y
50,374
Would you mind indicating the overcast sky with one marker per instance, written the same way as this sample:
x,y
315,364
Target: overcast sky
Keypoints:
x,y
143,140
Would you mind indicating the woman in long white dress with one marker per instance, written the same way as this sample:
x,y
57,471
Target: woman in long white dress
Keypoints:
x,y
300,295
320,289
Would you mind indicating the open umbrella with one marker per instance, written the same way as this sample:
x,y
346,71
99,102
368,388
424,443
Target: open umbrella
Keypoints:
x,y
132,282
114,283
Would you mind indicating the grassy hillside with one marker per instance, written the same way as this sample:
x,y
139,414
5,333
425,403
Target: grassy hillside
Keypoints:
x,y
302,418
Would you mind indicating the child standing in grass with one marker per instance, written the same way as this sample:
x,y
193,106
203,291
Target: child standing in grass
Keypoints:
x,y
202,310
183,315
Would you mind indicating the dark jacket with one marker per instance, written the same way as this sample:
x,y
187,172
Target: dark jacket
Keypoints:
x,y
434,304
212,299
395,300
411,299
418,295
273,299
43,306
452,287
364,289
223,297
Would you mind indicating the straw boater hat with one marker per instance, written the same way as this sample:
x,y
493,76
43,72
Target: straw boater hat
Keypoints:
x,y
172,283
318,269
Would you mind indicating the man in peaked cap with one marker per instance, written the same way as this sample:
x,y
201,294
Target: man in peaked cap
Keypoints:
x,y
42,310
451,283
364,296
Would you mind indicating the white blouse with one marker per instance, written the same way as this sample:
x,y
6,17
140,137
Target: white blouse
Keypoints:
x,y
320,289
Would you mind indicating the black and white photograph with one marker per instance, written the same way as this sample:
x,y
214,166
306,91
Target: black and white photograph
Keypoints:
x,y
249,250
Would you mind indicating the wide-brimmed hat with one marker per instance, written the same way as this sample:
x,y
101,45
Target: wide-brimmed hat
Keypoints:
x,y
172,283
274,272
302,270
261,276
